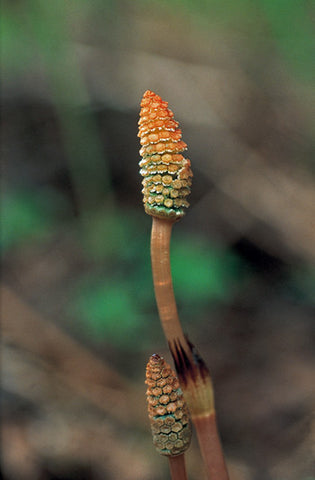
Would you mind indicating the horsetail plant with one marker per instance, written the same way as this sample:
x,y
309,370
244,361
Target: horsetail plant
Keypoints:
x,y
166,185
168,414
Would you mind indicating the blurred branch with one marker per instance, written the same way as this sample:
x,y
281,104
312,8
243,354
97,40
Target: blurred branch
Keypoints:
x,y
70,362
286,204
214,98
90,176
64,429
210,100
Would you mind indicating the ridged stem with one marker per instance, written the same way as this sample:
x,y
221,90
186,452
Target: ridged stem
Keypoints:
x,y
178,467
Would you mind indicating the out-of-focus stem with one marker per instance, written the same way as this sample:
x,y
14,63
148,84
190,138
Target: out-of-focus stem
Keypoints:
x,y
210,446
178,467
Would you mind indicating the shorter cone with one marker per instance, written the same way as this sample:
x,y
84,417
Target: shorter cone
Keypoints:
x,y
167,409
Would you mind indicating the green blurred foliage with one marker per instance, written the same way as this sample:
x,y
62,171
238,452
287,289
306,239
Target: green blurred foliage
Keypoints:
x,y
290,23
33,27
121,299
119,308
203,273
29,216
108,311
33,33
285,26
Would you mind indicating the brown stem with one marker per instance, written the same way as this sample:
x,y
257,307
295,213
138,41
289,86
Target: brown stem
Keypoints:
x,y
193,374
162,279
210,446
177,467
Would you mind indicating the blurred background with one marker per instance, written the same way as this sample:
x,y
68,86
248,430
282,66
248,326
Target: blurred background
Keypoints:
x,y
79,319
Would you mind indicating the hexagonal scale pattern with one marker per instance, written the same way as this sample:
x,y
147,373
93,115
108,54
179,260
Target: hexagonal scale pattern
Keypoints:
x,y
167,174
168,412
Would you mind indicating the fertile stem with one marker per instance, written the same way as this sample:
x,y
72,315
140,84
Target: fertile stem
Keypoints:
x,y
193,373
178,467
166,184
162,279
